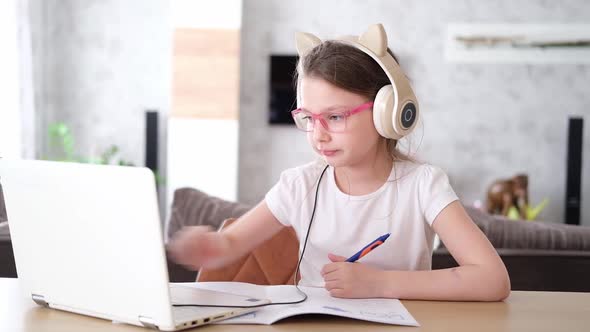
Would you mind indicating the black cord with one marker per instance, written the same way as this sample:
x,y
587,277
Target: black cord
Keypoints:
x,y
295,283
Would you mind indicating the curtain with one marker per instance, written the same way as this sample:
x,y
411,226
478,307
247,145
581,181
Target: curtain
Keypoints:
x,y
10,129
17,113
28,117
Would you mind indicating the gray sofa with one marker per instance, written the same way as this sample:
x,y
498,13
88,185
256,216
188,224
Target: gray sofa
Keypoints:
x,y
538,255
7,267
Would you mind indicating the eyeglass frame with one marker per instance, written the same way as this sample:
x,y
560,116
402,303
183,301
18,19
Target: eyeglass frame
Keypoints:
x,y
322,119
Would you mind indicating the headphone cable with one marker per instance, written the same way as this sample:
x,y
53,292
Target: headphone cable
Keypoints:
x,y
295,281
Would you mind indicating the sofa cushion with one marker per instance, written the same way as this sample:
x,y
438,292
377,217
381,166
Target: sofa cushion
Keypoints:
x,y
519,234
192,207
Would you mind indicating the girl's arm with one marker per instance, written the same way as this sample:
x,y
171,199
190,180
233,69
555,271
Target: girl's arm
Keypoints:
x,y
199,246
480,276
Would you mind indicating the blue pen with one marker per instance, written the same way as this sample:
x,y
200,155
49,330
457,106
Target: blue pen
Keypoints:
x,y
367,249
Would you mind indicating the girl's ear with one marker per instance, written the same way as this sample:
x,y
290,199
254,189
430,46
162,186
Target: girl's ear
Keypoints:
x,y
305,42
375,39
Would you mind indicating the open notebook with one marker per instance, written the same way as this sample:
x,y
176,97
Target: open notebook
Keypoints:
x,y
319,301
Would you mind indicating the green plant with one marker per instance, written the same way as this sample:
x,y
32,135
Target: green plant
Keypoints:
x,y
61,137
61,141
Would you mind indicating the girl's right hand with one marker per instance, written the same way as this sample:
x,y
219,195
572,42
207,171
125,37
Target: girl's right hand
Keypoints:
x,y
199,247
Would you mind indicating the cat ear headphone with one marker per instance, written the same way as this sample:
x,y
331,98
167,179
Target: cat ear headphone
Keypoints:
x,y
395,108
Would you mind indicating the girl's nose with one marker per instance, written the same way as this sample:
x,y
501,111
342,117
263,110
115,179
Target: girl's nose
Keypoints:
x,y
320,132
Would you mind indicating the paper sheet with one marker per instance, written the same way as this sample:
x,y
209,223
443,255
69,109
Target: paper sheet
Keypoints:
x,y
319,301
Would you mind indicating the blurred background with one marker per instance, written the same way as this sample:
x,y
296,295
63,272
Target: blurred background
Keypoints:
x,y
197,90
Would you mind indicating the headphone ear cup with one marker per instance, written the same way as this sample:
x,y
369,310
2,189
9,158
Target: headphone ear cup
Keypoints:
x,y
382,112
404,118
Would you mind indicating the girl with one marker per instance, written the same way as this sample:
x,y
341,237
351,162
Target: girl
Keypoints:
x,y
364,188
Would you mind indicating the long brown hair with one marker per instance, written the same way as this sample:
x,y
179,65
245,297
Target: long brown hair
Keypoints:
x,y
350,69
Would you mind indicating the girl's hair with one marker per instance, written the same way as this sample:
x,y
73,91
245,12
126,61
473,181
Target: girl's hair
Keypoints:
x,y
350,69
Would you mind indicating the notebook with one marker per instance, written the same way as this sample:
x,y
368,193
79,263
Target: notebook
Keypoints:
x,y
319,301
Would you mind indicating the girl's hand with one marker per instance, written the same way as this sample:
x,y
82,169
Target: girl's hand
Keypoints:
x,y
198,246
351,280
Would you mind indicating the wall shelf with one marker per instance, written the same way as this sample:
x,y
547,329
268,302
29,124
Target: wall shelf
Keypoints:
x,y
518,43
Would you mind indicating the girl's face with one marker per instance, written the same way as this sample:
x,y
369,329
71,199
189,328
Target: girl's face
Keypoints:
x,y
356,145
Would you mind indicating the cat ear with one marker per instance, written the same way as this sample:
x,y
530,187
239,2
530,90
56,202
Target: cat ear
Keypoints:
x,y
375,39
305,42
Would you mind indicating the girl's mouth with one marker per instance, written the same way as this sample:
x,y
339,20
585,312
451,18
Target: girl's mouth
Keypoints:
x,y
328,153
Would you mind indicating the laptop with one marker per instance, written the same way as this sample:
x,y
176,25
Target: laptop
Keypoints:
x,y
88,239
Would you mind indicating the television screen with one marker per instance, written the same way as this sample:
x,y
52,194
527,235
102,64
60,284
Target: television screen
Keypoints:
x,y
282,89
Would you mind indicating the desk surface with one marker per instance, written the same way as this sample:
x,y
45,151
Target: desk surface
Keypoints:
x,y
522,311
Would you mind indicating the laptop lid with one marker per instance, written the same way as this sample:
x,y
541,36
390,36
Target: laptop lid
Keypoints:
x,y
88,239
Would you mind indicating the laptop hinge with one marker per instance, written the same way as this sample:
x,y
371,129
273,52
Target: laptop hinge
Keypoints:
x,y
40,300
148,322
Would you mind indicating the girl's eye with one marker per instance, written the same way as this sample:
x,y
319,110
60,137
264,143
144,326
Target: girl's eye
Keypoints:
x,y
306,118
335,117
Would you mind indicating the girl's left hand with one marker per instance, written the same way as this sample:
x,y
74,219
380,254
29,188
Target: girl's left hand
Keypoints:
x,y
351,280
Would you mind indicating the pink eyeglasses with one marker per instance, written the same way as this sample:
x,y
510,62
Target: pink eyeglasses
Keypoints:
x,y
334,122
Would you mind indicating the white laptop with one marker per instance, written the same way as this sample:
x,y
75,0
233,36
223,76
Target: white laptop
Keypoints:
x,y
88,239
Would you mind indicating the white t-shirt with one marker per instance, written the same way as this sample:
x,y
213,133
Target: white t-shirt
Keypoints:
x,y
405,206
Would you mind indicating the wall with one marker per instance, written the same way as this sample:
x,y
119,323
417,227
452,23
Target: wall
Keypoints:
x,y
99,65
480,121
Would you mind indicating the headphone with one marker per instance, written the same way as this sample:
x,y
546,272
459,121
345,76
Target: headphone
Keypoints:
x,y
395,108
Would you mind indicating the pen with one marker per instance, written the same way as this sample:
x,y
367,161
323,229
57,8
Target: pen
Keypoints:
x,y
367,249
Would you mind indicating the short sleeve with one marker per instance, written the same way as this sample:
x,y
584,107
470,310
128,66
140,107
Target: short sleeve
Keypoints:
x,y
435,192
279,198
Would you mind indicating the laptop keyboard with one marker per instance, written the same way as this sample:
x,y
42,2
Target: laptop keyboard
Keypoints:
x,y
206,298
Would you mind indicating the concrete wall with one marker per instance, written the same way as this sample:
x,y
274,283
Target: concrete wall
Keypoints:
x,y
99,65
481,121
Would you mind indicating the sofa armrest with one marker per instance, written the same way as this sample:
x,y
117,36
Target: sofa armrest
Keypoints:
x,y
538,270
7,265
